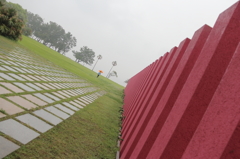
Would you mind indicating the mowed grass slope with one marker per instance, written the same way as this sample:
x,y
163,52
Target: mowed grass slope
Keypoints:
x,y
90,133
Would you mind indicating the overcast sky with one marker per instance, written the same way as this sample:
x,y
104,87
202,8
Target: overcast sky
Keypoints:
x,y
132,32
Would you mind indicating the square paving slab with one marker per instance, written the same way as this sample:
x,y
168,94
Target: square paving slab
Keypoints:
x,y
26,77
6,77
4,90
9,107
7,147
11,87
58,95
70,106
43,97
23,86
42,86
34,122
16,76
17,131
34,86
76,104
2,68
2,115
22,102
48,116
57,112
52,96
34,100
10,68
67,110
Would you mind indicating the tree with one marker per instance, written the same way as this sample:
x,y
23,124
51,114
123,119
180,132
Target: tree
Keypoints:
x,y
113,73
22,15
114,63
85,55
34,22
10,25
99,57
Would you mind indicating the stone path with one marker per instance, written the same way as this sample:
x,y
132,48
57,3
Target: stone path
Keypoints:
x,y
35,96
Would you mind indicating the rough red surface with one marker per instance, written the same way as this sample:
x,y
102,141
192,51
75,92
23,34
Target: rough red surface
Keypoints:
x,y
220,120
186,104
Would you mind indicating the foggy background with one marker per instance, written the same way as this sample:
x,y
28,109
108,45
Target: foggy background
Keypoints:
x,y
132,32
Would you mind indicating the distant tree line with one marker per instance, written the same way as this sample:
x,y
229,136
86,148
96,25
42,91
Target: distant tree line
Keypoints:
x,y
15,21
50,34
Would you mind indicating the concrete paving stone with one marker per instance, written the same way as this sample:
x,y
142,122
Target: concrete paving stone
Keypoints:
x,y
16,76
34,100
59,95
6,77
73,93
2,115
11,87
9,107
82,100
44,78
9,68
26,77
68,93
48,116
57,112
79,102
26,70
54,86
34,122
42,86
48,86
70,106
33,86
22,102
23,86
64,94
7,147
17,131
43,97
67,110
3,69
4,90
19,70
52,96
32,77
39,78
76,104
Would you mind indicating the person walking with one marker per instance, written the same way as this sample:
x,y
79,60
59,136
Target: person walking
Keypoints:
x,y
99,73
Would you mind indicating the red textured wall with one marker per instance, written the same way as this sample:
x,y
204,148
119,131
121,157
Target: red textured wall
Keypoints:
x,y
186,104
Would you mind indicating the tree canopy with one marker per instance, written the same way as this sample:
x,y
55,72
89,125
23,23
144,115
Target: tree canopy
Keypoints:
x,y
51,34
86,55
11,25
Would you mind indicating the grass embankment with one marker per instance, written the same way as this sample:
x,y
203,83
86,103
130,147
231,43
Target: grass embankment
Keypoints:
x,y
91,132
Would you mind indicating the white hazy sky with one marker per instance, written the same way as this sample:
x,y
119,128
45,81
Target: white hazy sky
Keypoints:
x,y
132,32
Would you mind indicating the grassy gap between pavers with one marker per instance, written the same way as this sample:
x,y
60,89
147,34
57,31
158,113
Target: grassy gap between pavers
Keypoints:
x,y
94,129
87,134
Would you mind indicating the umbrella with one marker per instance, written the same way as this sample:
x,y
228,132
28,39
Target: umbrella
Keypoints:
x,y
101,71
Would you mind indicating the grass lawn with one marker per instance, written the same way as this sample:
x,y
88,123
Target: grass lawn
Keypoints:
x,y
90,133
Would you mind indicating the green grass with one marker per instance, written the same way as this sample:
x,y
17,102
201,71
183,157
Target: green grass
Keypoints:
x,y
70,65
90,133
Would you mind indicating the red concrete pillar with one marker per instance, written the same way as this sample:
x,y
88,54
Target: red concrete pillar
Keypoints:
x,y
161,70
138,82
200,86
144,115
141,98
220,120
172,91
144,88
